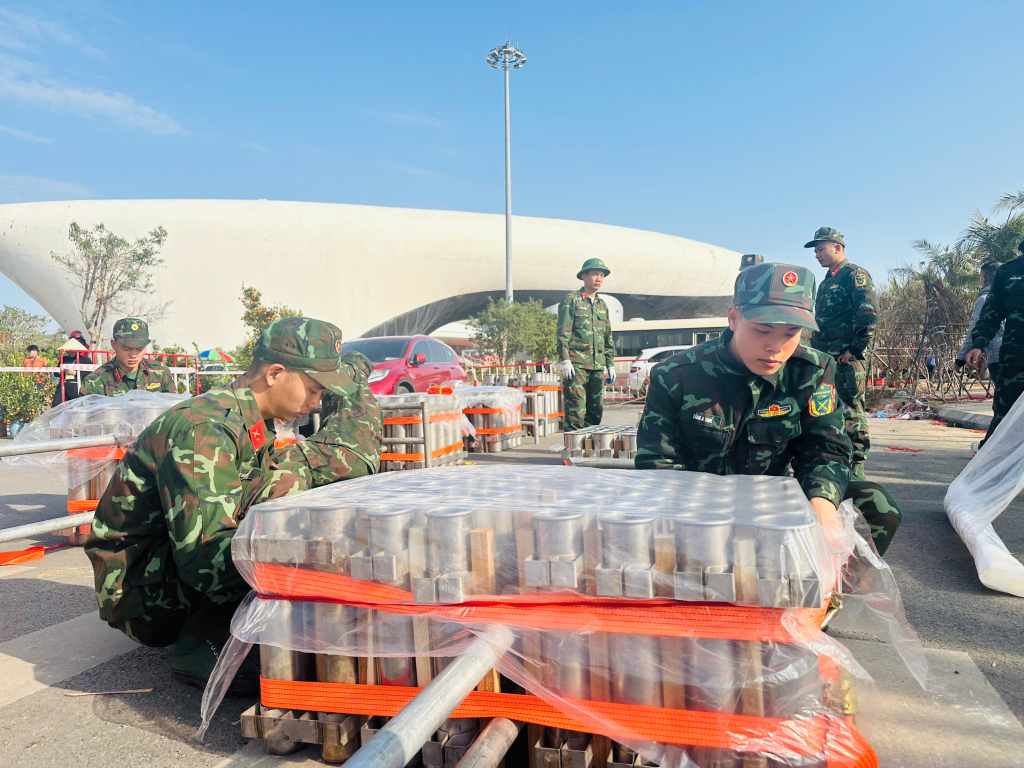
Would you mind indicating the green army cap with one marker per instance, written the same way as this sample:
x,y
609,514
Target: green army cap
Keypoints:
x,y
307,345
751,260
131,331
826,235
590,264
776,293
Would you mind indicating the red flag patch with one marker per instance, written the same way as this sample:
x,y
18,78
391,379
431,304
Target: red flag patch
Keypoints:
x,y
257,435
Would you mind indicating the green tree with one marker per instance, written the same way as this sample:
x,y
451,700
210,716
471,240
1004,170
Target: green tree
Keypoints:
x,y
256,317
19,328
115,275
20,398
505,330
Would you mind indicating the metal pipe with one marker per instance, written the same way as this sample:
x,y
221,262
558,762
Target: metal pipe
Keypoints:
x,y
52,446
404,735
602,463
492,744
45,526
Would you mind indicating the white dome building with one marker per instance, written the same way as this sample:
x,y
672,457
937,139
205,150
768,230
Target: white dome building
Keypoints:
x,y
369,269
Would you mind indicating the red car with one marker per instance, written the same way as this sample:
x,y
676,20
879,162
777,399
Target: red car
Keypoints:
x,y
403,364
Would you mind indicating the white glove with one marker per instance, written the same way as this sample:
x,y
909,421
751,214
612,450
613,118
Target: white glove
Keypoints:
x,y
610,374
568,372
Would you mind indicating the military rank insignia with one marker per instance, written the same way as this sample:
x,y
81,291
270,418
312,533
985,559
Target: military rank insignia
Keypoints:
x,y
823,401
774,410
860,280
257,435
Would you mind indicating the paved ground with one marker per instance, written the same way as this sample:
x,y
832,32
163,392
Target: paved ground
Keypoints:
x,y
970,414
51,642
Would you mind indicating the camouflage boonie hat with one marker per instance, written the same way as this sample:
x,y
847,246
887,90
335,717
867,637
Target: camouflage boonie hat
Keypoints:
x,y
131,331
776,293
826,235
590,264
307,345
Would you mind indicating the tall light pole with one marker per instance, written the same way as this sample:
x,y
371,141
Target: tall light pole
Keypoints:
x,y
507,57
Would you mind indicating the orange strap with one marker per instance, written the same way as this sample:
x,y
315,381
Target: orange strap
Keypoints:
x,y
500,430
544,388
103,452
436,417
419,456
82,505
404,420
836,737
26,555
438,390
570,612
552,415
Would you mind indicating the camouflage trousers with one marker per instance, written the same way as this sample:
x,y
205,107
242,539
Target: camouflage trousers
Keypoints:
x,y
880,510
583,396
851,386
169,606
1009,386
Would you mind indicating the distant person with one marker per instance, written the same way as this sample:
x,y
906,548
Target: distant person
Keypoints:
x,y
847,314
585,349
128,369
988,272
71,357
33,359
1004,306
929,362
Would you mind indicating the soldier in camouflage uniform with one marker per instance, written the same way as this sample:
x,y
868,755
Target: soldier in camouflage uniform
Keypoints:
x,y
847,315
161,541
128,369
1005,302
756,402
585,349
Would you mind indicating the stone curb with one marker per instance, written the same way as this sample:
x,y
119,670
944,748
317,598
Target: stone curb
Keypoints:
x,y
966,419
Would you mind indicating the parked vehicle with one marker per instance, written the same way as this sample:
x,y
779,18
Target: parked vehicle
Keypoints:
x,y
640,368
404,364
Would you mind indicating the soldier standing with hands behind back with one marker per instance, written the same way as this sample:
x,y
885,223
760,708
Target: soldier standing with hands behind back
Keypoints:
x,y
846,314
585,349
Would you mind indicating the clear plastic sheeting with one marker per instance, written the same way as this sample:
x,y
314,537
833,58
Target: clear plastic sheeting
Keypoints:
x,y
421,430
124,416
507,400
675,612
992,479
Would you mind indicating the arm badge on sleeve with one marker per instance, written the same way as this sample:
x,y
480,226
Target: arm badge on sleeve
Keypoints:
x,y
860,280
823,401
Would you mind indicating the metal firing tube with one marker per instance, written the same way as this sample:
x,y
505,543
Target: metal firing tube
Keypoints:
x,y
491,745
448,551
634,659
404,735
566,672
388,533
332,536
282,664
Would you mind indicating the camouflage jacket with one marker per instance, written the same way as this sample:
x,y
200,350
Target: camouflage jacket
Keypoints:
x,y
1005,302
108,379
584,335
171,509
706,412
845,311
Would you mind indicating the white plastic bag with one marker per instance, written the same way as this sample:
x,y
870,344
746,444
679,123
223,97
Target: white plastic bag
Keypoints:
x,y
979,495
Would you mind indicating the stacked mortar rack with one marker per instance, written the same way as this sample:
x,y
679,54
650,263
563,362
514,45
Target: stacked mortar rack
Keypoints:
x,y
600,442
420,431
455,534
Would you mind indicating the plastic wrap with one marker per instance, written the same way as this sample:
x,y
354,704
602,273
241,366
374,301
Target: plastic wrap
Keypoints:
x,y
124,416
676,612
432,424
492,416
987,485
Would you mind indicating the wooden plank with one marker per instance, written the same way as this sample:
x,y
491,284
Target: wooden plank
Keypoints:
x,y
592,558
664,564
490,683
481,548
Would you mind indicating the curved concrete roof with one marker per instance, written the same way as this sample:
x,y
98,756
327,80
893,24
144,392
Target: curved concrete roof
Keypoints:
x,y
371,270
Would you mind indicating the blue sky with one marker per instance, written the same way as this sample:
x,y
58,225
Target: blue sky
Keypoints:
x,y
746,125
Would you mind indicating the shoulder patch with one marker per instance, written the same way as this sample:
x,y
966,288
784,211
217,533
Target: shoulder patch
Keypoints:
x,y
774,410
154,385
823,400
860,279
